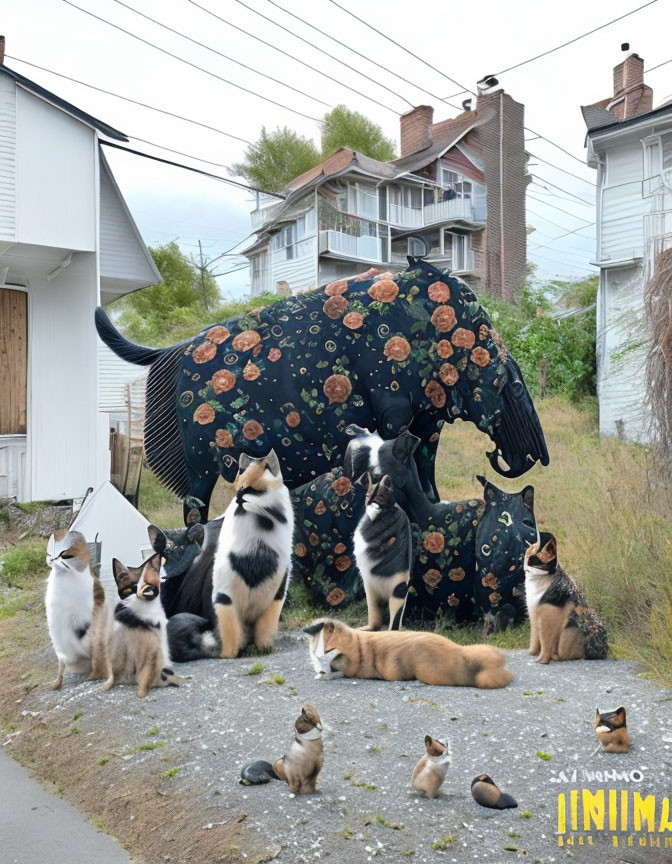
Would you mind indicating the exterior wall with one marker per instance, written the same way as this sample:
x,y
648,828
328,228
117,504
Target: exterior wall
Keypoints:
x,y
621,226
113,376
7,159
300,273
416,129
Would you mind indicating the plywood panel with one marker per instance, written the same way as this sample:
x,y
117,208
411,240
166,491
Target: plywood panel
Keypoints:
x,y
13,361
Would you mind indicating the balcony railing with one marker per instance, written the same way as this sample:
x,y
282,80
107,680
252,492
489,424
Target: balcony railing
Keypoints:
x,y
408,217
362,248
458,208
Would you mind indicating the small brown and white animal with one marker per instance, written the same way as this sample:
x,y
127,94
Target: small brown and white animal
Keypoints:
x,y
383,546
77,614
485,792
138,647
611,730
562,625
251,568
430,772
302,765
337,650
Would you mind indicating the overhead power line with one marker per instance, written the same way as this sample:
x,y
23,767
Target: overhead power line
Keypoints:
x,y
566,191
539,135
131,101
189,63
550,221
555,207
564,170
566,234
566,264
287,54
664,63
220,54
575,39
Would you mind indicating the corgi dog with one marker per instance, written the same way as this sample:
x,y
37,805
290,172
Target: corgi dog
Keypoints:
x,y
138,647
611,730
403,655
383,546
430,772
302,765
251,568
77,613
562,626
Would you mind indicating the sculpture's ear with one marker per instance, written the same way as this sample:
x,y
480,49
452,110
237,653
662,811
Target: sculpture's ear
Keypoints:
x,y
193,516
528,497
157,538
273,464
405,446
356,431
428,740
196,534
313,629
597,713
244,462
356,460
481,479
490,491
620,715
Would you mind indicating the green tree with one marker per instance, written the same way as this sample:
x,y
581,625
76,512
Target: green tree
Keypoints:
x,y
275,159
344,128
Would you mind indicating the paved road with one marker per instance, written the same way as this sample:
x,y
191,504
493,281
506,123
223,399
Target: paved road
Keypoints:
x,y
37,827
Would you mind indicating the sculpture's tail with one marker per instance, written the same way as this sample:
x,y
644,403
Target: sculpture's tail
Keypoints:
x,y
163,442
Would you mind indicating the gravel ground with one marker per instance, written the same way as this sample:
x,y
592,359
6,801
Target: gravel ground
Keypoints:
x,y
524,736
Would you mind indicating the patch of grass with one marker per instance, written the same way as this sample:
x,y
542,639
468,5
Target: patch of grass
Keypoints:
x,y
103,760
360,785
396,826
22,564
443,844
510,848
377,749
278,679
430,702
545,757
171,772
255,669
349,775
526,814
153,732
75,730
151,745
347,833
78,715
408,853
512,834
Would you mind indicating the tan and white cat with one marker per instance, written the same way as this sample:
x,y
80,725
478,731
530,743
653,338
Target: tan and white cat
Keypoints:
x,y
78,616
251,569
302,765
430,772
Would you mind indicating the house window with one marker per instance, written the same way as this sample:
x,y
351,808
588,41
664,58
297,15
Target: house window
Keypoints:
x,y
406,196
666,143
363,200
284,239
652,160
416,247
449,178
456,250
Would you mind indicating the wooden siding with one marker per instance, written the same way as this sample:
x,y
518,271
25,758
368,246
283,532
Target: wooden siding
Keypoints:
x,y
298,272
623,208
13,361
7,159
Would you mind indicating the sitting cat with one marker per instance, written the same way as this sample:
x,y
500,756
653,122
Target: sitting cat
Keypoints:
x,y
77,614
302,765
383,549
430,772
251,569
611,730
139,644
562,626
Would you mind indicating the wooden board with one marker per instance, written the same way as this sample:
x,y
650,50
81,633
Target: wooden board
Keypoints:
x,y
13,361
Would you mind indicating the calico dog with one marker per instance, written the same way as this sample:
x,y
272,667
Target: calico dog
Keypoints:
x,y
302,765
337,650
562,626
611,730
77,614
251,569
383,546
430,772
139,645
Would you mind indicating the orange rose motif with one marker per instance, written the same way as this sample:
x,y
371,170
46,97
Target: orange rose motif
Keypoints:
x,y
463,338
339,548
490,581
337,388
335,596
480,356
362,277
341,486
342,563
434,437
204,352
397,348
204,414
223,438
293,419
432,578
436,394
335,288
444,349
483,332
252,430
448,374
251,372
335,307
274,355
313,539
439,292
246,340
433,542
300,550
453,600
320,508
218,334
501,347
443,318
384,290
457,574
353,320
223,380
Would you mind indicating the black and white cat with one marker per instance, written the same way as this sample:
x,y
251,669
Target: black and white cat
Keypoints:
x,y
383,546
251,569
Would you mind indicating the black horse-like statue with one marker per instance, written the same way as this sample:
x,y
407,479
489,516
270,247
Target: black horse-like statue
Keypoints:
x,y
388,353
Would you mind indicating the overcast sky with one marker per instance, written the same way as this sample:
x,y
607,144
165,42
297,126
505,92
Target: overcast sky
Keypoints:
x,y
462,40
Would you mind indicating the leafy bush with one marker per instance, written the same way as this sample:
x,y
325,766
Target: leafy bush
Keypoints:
x,y
20,565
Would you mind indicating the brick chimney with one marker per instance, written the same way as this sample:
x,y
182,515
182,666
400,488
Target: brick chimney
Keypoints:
x,y
632,97
2,50
416,129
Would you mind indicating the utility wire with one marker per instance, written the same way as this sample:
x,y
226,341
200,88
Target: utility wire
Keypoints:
x,y
566,234
539,135
565,264
566,191
546,193
189,63
664,63
551,222
178,152
220,54
401,47
564,170
575,39
291,56
555,207
132,101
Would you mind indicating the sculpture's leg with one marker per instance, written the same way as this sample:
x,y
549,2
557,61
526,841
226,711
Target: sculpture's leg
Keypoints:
x,y
428,428
200,487
393,413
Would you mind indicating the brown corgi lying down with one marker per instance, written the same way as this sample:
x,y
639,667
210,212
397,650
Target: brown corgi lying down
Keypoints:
x,y
562,626
430,772
611,730
337,650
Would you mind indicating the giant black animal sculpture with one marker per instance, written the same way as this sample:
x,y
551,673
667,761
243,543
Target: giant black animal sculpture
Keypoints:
x,y
413,351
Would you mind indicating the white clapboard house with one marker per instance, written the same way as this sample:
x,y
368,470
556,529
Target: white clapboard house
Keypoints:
x,y
629,142
67,243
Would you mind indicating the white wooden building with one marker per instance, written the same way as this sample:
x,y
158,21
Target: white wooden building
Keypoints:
x,y
67,243
629,142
